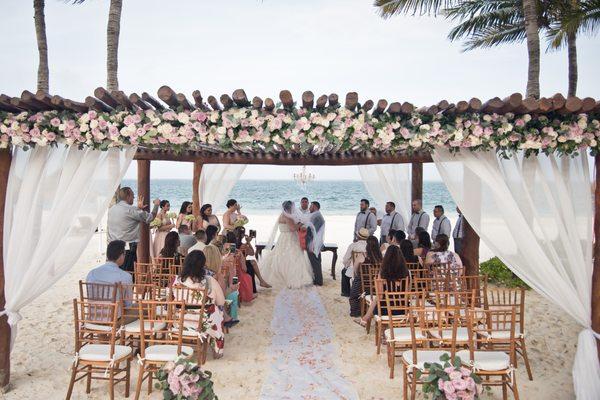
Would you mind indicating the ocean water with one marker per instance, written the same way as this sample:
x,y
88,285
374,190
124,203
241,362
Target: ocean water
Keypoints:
x,y
266,196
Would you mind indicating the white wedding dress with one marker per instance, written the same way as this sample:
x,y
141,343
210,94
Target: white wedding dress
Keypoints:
x,y
287,265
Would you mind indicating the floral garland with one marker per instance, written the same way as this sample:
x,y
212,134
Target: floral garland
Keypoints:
x,y
301,130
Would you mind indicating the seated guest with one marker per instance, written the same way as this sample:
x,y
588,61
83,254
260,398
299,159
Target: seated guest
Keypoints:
x,y
393,269
441,255
371,256
388,240
171,248
211,233
423,244
408,251
109,272
193,275
214,267
186,239
235,262
399,236
200,236
248,251
352,259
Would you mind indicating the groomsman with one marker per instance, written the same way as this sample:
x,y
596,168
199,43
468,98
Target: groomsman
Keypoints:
x,y
304,208
365,219
441,223
391,220
458,232
418,218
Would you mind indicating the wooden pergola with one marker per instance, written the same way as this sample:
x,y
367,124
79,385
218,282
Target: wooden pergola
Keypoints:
x,y
105,101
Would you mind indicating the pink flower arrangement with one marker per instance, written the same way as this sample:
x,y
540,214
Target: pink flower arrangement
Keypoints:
x,y
184,380
450,381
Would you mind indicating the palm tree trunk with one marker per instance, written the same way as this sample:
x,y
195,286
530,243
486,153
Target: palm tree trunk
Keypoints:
x,y
40,32
572,51
112,44
533,48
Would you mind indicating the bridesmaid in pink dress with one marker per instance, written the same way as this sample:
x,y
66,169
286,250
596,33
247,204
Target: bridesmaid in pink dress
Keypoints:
x,y
162,231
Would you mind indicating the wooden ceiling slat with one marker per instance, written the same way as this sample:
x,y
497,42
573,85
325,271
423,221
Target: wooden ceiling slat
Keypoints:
x,y
137,101
103,95
151,100
240,98
308,99
168,95
95,104
368,105
322,102
257,103
183,102
212,100
351,101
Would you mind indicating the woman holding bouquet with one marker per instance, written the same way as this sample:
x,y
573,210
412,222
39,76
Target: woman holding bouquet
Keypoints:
x,y
163,223
232,215
207,218
186,217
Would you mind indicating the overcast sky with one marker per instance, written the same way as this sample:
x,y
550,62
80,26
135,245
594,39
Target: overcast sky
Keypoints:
x,y
266,46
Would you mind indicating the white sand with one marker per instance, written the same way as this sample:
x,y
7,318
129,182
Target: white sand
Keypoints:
x,y
44,349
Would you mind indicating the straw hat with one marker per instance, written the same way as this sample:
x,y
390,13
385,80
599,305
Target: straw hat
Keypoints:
x,y
363,233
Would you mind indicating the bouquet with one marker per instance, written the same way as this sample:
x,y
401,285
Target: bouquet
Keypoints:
x,y
450,381
241,221
184,380
172,215
156,223
190,218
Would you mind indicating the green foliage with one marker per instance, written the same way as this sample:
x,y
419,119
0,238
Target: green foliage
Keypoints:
x,y
499,273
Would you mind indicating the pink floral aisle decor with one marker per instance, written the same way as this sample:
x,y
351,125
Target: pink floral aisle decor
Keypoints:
x,y
185,380
450,381
304,131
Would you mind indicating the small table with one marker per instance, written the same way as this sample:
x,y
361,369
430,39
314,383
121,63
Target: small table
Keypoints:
x,y
332,247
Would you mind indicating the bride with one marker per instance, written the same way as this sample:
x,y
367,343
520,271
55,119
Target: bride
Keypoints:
x,y
287,265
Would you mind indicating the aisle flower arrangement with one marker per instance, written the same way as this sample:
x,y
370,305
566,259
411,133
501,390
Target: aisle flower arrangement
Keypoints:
x,y
185,380
302,130
450,381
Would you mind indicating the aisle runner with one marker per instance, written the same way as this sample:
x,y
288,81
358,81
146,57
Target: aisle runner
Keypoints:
x,y
302,353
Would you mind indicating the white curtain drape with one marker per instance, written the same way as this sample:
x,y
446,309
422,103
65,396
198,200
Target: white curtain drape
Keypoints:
x,y
536,215
216,182
55,199
389,182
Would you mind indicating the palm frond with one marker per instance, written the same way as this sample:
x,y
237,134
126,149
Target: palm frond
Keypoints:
x,y
390,8
495,36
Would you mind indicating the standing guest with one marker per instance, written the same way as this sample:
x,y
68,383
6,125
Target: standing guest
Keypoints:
x,y
211,233
235,262
171,247
418,218
458,232
365,219
408,251
304,205
166,224
355,254
391,220
423,244
372,256
200,236
389,240
441,223
247,250
214,267
393,269
183,218
231,215
110,272
186,238
124,223
208,218
441,255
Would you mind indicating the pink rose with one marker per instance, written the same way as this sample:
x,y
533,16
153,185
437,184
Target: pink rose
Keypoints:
x,y
520,123
448,387
459,384
454,375
55,122
128,120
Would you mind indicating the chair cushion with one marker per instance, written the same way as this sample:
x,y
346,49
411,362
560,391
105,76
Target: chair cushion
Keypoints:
x,y
98,327
500,334
423,356
368,298
402,334
166,352
462,334
101,352
135,326
486,360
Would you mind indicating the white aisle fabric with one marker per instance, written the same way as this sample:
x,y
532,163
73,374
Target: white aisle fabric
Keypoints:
x,y
389,182
55,199
536,215
302,351
216,182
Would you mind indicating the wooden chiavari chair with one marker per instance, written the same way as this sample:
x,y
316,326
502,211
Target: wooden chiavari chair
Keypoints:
x,y
416,277
413,266
506,298
165,265
458,303
98,293
487,329
162,282
397,309
193,318
366,285
131,295
381,318
373,273
449,274
142,272
97,356
421,321
479,283
162,342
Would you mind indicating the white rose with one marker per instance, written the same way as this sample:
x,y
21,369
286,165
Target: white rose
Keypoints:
x,y
214,116
221,130
17,140
487,118
84,119
526,117
582,123
425,127
94,123
84,128
504,142
183,118
458,134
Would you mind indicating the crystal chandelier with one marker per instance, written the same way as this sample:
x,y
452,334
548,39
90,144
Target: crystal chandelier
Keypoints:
x,y
303,177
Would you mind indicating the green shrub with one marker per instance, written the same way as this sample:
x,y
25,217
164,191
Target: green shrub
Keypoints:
x,y
499,273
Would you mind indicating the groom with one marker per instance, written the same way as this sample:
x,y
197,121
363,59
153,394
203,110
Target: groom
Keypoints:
x,y
316,243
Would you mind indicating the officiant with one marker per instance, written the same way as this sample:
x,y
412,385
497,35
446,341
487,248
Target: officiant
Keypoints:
x,y
315,244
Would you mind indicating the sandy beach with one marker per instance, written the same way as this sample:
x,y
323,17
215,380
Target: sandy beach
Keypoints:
x,y
44,348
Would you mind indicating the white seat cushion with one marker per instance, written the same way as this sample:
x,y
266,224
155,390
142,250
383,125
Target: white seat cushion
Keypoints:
x,y
462,334
402,335
423,356
166,352
98,327
135,326
101,352
501,334
368,298
486,360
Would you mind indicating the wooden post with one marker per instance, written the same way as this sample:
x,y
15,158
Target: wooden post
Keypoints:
x,y
417,181
5,333
195,188
470,249
596,273
143,181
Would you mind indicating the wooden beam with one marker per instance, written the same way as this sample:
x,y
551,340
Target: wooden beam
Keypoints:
x,y
5,332
104,96
183,102
470,250
137,100
123,100
257,103
368,105
198,100
407,108
240,98
168,95
95,104
380,108
351,101
196,188
212,100
143,181
226,101
333,100
269,104
417,182
596,271
321,102
308,99
286,99
151,100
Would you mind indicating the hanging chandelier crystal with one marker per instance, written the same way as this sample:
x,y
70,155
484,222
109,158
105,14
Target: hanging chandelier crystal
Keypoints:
x,y
302,178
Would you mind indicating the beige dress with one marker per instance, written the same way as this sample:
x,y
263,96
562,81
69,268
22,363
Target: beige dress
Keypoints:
x,y
159,236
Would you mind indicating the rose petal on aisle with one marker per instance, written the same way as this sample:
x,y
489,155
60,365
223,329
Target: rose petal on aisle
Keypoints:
x,y
302,351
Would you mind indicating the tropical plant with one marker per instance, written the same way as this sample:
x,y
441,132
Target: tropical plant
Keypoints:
x,y
43,80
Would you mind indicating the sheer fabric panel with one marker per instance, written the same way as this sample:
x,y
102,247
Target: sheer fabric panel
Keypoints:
x,y
389,182
217,181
